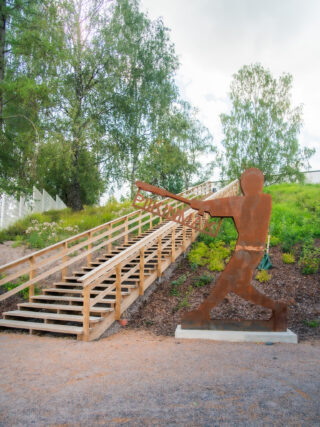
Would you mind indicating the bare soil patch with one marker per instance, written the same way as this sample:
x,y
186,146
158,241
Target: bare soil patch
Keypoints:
x,y
301,292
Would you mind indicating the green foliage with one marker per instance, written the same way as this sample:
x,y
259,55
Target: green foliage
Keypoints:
x,y
27,46
87,92
227,233
185,301
203,280
175,284
214,255
288,258
274,241
263,276
198,254
309,261
312,323
41,230
262,129
194,266
25,292
39,235
295,217
171,161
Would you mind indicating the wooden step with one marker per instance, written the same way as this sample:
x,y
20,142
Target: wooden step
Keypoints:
x,y
78,273
49,316
72,279
62,298
69,284
77,291
63,291
114,293
50,327
124,282
63,307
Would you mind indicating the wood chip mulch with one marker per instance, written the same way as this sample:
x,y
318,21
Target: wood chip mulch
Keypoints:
x,y
301,292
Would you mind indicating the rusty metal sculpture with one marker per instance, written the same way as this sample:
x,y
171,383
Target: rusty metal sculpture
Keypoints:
x,y
251,214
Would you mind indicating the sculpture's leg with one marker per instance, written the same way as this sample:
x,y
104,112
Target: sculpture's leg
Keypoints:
x,y
279,308
201,316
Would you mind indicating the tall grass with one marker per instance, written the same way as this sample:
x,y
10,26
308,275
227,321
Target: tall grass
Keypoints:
x,y
295,217
69,223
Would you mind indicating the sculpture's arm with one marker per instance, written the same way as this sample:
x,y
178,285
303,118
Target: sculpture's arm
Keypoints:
x,y
224,207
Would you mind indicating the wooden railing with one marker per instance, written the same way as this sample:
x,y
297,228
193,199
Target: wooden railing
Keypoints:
x,y
155,244
87,242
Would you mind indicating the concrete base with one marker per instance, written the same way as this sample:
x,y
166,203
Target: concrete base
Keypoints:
x,y
237,336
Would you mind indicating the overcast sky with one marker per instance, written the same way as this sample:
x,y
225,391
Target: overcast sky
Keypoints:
x,y
215,38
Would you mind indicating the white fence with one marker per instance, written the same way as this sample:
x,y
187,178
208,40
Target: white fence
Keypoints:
x,y
11,209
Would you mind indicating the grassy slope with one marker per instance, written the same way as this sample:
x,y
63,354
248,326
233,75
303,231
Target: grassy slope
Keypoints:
x,y
295,216
295,213
295,219
40,230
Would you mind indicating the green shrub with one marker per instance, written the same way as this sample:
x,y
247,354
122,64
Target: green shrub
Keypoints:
x,y
194,266
203,280
312,323
263,276
198,254
227,234
288,258
309,261
214,255
274,241
185,301
25,292
175,284
89,217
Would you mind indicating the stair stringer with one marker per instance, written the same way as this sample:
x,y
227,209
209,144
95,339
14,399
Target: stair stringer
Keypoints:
x,y
97,330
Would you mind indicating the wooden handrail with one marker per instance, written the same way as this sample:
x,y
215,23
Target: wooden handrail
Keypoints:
x,y
121,257
124,255
132,270
90,237
57,245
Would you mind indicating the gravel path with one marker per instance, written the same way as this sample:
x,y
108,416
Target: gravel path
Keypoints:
x,y
134,378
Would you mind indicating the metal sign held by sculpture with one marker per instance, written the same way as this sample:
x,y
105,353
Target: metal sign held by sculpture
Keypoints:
x,y
251,214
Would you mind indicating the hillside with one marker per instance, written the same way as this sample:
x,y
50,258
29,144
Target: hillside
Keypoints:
x,y
295,277
44,229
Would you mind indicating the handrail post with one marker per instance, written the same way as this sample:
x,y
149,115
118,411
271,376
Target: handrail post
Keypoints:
x,y
86,313
126,230
139,232
184,242
150,220
31,276
64,259
141,282
89,248
193,232
159,256
118,292
109,238
173,244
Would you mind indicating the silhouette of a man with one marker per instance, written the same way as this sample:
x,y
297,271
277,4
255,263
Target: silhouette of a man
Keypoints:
x,y
251,214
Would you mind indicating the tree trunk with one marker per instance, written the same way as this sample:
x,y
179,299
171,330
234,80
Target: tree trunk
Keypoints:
x,y
133,177
3,19
74,196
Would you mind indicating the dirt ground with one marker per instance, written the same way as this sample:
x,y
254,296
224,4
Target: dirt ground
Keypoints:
x,y
301,292
135,378
142,376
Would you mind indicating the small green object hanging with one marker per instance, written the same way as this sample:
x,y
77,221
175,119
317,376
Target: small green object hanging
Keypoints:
x,y
265,263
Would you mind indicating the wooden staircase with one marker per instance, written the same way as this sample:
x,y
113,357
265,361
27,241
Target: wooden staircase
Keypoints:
x,y
87,301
